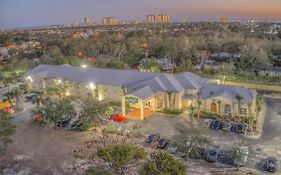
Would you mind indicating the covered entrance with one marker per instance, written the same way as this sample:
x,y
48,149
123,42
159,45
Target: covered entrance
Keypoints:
x,y
142,108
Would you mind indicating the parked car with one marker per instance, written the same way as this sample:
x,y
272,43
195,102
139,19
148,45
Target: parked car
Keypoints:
x,y
63,123
213,154
226,126
162,143
152,137
215,124
244,152
29,97
270,164
172,149
207,122
75,125
117,118
238,128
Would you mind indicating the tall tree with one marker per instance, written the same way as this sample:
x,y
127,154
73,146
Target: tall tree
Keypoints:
x,y
239,99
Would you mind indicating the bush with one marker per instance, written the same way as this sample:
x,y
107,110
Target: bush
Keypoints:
x,y
85,126
209,115
163,163
172,111
98,171
122,157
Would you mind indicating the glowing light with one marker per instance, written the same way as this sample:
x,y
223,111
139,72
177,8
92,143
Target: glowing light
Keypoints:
x,y
92,85
83,65
100,98
59,81
29,78
67,93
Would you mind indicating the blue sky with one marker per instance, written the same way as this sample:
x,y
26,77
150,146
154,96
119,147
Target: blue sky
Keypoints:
x,y
25,13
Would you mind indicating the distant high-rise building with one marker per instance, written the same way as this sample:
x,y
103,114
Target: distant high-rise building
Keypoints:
x,y
163,19
87,21
110,21
75,24
151,18
223,19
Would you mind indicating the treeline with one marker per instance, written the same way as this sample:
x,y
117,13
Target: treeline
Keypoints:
x,y
124,50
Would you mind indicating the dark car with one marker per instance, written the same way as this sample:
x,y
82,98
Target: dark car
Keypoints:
x,y
63,123
162,143
215,124
226,126
213,154
152,137
238,128
29,98
75,126
270,164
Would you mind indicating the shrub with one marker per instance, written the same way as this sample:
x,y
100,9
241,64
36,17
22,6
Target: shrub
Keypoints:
x,y
172,111
122,157
209,115
85,126
163,163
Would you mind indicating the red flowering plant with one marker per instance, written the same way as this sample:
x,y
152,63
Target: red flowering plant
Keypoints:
x,y
38,117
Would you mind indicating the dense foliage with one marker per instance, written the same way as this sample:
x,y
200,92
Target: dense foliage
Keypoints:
x,y
123,49
163,164
6,130
56,111
122,157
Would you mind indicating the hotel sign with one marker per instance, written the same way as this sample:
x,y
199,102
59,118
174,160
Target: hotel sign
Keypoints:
x,y
132,100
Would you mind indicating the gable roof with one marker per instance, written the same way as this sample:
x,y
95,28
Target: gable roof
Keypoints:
x,y
142,84
229,92
122,78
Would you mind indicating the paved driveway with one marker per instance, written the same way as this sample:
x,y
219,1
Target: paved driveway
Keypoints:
x,y
268,145
270,142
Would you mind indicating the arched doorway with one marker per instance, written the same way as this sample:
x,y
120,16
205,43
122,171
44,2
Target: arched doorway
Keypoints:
x,y
214,107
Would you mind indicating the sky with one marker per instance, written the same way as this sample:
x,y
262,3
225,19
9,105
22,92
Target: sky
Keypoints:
x,y
28,13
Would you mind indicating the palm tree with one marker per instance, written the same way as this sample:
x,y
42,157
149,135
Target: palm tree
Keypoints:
x,y
219,103
259,106
239,98
169,93
199,103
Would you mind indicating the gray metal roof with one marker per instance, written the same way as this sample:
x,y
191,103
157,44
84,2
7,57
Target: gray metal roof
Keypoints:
x,y
141,84
228,92
127,78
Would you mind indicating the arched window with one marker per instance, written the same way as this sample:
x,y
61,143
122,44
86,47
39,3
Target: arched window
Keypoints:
x,y
227,109
214,107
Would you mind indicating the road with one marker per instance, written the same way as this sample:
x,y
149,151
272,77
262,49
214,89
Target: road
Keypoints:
x,y
23,116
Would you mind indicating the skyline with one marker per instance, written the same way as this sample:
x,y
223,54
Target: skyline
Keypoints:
x,y
29,13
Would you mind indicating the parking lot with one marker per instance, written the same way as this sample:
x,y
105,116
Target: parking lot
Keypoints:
x,y
166,125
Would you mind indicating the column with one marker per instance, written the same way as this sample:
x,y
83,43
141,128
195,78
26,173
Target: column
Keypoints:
x,y
142,109
123,101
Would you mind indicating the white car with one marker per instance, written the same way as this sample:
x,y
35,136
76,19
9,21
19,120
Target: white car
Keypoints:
x,y
244,153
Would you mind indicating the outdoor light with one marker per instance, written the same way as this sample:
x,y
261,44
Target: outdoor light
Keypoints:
x,y
83,65
92,85
59,81
100,98
29,78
